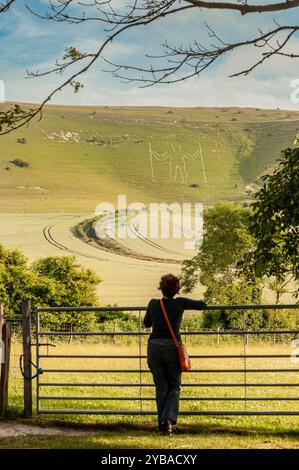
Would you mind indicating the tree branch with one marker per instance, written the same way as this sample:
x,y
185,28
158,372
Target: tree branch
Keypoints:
x,y
198,58
245,8
182,62
5,6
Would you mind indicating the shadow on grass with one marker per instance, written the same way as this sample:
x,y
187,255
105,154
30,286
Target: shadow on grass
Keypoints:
x,y
245,426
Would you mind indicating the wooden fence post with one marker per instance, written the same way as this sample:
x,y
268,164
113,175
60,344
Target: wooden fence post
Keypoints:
x,y
114,330
2,352
26,330
1,317
218,336
6,339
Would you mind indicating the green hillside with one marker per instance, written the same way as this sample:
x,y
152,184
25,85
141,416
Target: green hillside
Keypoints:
x,y
80,156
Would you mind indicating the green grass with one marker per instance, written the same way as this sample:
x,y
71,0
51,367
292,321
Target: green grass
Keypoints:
x,y
195,433
114,431
238,146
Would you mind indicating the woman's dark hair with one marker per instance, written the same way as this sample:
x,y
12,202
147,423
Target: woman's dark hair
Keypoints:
x,y
169,285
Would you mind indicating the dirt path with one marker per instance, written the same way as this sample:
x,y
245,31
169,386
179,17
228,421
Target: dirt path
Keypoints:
x,y
15,429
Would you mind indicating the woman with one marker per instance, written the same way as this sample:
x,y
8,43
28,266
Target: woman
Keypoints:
x,y
162,355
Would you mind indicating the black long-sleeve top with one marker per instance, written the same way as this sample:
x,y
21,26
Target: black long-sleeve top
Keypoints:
x,y
174,308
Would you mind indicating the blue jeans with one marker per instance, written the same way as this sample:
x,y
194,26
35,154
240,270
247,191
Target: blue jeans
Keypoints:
x,y
163,362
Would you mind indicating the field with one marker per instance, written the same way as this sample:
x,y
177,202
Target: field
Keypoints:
x,y
81,156
39,235
91,431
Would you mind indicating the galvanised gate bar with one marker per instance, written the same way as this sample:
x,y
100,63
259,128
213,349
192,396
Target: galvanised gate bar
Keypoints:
x,y
292,371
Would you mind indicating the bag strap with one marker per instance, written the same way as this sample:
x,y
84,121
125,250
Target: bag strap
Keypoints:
x,y
168,323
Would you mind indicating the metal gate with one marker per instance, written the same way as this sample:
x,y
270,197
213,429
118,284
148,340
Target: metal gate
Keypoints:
x,y
251,397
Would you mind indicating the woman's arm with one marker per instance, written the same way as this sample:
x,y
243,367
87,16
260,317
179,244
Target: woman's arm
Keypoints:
x,y
190,304
147,321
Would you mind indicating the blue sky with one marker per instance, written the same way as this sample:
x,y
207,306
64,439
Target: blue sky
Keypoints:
x,y
28,42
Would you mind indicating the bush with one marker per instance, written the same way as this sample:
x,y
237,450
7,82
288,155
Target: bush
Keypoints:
x,y
121,325
192,322
280,319
20,163
53,281
127,321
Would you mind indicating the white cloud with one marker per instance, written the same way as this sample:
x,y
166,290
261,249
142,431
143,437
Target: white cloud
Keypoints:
x,y
268,86
213,90
25,26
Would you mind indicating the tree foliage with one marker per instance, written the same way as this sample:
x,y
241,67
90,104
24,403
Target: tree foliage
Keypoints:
x,y
53,281
226,240
274,221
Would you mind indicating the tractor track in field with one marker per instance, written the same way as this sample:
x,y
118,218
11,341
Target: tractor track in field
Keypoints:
x,y
133,229
150,242
120,247
116,245
47,233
